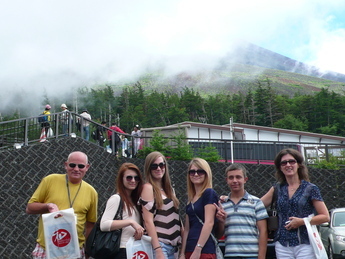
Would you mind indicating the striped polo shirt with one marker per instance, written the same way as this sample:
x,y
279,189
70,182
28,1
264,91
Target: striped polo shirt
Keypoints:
x,y
241,232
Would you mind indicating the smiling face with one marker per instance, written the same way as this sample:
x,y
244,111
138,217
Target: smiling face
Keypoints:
x,y
236,180
76,160
130,179
158,169
289,165
197,175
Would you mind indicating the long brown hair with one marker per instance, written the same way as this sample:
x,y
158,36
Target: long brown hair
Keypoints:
x,y
166,182
302,169
130,202
200,164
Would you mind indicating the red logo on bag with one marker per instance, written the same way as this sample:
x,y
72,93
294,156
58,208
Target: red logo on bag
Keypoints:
x,y
140,255
61,238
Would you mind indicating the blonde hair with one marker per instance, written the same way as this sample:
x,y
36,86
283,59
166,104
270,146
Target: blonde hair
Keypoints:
x,y
200,164
166,182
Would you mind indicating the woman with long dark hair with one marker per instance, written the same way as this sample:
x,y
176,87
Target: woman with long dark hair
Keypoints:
x,y
129,184
297,198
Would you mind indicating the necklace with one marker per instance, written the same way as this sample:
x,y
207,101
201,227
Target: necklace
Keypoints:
x,y
69,195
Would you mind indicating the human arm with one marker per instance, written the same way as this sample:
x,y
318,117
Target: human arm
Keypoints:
x,y
41,208
147,195
321,217
184,237
88,227
267,198
109,224
210,211
221,216
262,227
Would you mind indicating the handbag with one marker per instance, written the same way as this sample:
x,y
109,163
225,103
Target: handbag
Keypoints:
x,y
314,239
219,253
105,244
272,220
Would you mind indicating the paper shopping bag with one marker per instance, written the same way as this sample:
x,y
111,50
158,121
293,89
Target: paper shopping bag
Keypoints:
x,y
60,234
139,249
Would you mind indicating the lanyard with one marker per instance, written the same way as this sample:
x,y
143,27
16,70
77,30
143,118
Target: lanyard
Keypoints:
x,y
69,195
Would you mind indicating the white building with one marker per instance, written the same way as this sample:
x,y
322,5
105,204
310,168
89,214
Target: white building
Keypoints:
x,y
251,142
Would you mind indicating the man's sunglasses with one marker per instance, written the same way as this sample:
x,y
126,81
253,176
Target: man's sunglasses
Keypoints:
x,y
290,161
130,178
155,166
81,166
199,172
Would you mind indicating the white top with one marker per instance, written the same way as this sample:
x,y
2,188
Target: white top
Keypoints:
x,y
109,214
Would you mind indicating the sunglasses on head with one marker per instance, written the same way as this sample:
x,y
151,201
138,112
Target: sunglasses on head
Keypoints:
x,y
290,161
81,166
199,172
155,166
130,178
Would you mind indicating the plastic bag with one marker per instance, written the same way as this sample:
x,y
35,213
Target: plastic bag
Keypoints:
x,y
60,234
314,239
139,248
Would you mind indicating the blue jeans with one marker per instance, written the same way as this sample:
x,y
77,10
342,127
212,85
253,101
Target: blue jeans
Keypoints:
x,y
168,251
86,132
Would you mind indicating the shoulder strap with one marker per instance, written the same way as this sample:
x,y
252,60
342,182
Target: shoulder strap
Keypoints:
x,y
118,215
274,197
202,223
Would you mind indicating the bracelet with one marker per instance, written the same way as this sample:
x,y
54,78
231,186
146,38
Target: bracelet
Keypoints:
x,y
157,247
198,245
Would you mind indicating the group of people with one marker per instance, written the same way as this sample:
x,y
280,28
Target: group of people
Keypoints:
x,y
101,135
152,208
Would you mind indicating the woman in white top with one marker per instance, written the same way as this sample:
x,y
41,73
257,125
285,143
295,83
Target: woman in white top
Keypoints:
x,y
128,185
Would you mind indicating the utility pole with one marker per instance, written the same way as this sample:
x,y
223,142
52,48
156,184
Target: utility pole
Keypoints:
x,y
231,138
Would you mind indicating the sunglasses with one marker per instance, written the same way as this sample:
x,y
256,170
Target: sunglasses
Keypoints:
x,y
130,178
155,166
290,161
199,172
81,166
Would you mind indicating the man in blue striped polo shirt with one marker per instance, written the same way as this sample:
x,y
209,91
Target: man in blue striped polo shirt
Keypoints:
x,y
244,218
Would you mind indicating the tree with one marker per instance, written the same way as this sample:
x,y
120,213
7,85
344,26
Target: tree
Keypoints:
x,y
292,123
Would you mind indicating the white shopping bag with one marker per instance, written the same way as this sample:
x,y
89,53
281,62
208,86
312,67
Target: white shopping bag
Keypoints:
x,y
314,239
139,249
60,234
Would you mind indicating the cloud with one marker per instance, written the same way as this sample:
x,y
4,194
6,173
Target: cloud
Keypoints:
x,y
59,46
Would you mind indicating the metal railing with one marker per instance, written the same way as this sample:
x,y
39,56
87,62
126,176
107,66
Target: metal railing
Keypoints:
x,y
26,131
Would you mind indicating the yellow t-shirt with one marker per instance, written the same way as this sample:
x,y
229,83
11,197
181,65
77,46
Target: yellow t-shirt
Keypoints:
x,y
53,189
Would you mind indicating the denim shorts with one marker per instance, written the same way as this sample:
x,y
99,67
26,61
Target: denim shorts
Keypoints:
x,y
169,251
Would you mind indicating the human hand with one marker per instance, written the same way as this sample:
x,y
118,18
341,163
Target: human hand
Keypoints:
x,y
139,230
52,207
223,198
159,254
293,223
221,214
196,254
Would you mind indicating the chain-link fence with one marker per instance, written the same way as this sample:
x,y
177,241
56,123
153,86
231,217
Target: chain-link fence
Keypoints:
x,y
21,171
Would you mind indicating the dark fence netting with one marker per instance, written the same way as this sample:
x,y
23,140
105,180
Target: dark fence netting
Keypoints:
x,y
21,170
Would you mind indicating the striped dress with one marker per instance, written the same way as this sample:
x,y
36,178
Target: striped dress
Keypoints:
x,y
166,220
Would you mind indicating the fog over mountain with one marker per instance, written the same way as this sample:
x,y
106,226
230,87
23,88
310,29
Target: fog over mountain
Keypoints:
x,y
252,54
51,49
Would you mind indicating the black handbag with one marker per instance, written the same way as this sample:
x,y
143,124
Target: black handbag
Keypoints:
x,y
101,244
272,220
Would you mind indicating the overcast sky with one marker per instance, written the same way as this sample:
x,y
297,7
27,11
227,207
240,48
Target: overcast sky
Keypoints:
x,y
57,45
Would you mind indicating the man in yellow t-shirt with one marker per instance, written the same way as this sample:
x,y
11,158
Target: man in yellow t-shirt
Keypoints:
x,y
62,191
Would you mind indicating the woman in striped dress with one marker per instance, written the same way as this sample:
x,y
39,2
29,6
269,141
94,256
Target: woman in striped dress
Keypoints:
x,y
160,208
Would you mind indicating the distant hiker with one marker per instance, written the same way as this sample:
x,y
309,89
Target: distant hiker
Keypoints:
x,y
85,124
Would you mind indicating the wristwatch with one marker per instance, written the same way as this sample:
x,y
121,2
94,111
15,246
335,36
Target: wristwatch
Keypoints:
x,y
198,245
